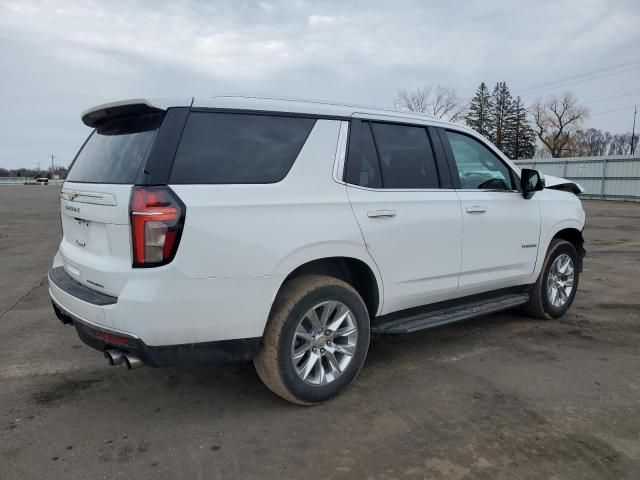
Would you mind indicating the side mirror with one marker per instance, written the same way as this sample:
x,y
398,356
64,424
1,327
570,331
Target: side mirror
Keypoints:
x,y
531,181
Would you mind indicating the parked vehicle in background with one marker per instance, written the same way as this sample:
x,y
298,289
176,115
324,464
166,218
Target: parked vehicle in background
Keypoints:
x,y
288,232
38,181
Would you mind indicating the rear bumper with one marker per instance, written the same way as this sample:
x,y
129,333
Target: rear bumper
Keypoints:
x,y
65,296
162,306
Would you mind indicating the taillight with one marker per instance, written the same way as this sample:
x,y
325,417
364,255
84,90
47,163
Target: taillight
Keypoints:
x,y
157,217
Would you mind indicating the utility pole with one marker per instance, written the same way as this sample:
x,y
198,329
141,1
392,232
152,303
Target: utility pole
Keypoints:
x,y
53,169
633,130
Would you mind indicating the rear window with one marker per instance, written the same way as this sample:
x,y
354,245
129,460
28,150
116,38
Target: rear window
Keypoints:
x,y
221,148
114,152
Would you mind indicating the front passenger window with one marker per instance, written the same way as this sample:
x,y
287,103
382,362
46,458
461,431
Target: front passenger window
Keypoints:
x,y
478,167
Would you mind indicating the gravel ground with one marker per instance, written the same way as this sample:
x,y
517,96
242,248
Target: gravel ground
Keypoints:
x,y
502,396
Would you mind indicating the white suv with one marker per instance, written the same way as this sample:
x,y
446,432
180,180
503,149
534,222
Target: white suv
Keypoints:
x,y
288,232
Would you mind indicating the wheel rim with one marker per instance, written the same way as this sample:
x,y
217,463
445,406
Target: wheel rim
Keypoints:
x,y
560,280
324,343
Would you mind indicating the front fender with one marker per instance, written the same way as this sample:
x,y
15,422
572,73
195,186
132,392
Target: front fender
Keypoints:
x,y
550,234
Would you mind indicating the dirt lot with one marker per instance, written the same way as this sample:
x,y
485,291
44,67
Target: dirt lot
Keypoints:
x,y
503,396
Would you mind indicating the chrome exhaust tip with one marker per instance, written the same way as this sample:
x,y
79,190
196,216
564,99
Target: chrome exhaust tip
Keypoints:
x,y
132,362
114,357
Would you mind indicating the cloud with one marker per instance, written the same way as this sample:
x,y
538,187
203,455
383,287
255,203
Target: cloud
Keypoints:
x,y
322,20
67,54
246,43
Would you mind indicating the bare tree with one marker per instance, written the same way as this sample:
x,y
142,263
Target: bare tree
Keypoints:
x,y
556,118
621,144
441,102
591,142
415,101
541,152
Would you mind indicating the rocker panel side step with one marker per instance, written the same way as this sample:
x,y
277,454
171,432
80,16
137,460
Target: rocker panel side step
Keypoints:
x,y
452,314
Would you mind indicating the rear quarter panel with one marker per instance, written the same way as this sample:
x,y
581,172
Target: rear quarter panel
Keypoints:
x,y
266,231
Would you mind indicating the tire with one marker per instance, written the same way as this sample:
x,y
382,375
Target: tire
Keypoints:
x,y
541,304
286,334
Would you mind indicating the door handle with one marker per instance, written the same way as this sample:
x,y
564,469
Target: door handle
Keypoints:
x,y
381,213
476,209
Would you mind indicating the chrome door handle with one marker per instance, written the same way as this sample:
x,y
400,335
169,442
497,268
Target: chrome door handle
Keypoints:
x,y
381,213
476,209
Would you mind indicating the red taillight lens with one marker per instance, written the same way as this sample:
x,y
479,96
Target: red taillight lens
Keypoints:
x,y
157,217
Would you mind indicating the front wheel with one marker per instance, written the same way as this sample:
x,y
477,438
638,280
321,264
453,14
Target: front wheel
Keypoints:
x,y
553,293
316,340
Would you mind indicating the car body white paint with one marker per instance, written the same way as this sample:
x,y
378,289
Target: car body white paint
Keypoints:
x,y
240,242
426,223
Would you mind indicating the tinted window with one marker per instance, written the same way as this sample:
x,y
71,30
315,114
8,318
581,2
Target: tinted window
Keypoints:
x,y
238,148
114,153
406,158
362,165
478,167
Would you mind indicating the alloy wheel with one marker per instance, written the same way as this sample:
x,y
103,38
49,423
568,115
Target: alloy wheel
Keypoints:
x,y
324,343
560,280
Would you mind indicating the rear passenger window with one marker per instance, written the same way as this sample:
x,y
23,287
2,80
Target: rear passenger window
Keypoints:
x,y
221,148
392,156
362,166
406,157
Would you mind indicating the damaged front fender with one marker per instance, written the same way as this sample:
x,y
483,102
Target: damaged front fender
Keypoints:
x,y
562,184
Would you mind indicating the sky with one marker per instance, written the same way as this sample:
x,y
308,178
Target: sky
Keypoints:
x,y
58,58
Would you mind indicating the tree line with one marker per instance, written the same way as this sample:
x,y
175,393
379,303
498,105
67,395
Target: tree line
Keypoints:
x,y
549,127
33,172
594,142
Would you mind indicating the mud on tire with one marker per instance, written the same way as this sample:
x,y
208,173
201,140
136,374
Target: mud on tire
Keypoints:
x,y
274,361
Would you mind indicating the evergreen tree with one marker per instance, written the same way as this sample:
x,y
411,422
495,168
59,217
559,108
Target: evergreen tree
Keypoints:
x,y
502,120
501,113
518,136
478,116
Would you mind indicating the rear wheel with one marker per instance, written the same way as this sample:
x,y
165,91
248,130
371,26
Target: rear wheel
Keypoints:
x,y
316,340
553,293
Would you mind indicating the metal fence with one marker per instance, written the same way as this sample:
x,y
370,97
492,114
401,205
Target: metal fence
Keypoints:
x,y
607,178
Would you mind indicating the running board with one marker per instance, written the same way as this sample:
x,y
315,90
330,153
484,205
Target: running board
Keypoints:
x,y
456,313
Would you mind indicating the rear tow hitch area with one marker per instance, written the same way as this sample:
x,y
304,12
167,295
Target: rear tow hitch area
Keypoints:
x,y
118,357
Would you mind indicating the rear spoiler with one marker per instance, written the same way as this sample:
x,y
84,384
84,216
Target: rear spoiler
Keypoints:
x,y
97,116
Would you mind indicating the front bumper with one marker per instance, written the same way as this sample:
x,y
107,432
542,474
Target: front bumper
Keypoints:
x,y
103,338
